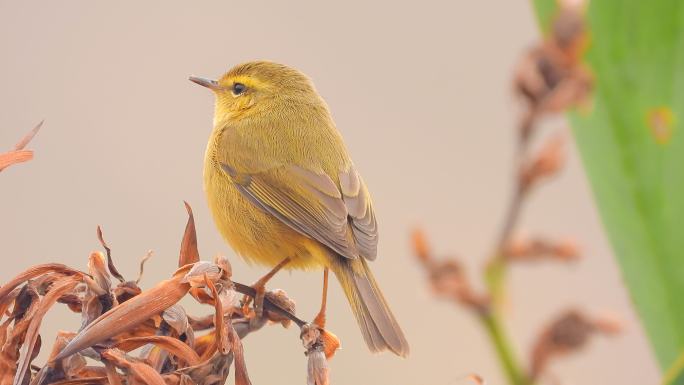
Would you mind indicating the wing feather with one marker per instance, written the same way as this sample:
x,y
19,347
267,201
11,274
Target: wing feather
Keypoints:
x,y
341,218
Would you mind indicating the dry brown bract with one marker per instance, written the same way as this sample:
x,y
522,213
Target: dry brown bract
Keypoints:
x,y
141,336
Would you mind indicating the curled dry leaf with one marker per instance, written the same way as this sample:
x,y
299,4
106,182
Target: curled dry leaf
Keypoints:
x,y
13,157
83,381
138,371
171,345
97,268
144,259
112,376
110,261
221,340
26,354
34,272
241,376
131,313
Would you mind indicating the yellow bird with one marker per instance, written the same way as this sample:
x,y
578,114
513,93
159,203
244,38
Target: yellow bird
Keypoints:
x,y
284,192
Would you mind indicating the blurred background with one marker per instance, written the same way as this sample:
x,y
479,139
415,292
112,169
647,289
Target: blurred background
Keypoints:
x,y
422,95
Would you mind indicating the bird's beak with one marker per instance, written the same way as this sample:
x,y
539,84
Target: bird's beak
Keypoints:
x,y
211,84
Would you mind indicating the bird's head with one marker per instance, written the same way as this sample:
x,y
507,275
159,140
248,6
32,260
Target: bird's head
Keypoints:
x,y
257,86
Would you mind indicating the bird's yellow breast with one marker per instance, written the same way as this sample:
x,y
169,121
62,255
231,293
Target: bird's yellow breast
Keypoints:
x,y
254,234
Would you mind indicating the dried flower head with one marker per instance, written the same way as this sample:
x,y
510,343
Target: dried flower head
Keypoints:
x,y
568,333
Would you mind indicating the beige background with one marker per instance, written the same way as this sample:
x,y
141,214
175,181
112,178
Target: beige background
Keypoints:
x,y
421,94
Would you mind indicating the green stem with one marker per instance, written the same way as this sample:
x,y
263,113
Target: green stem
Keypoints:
x,y
509,361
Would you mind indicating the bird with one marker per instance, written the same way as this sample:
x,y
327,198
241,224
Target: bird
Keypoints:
x,y
284,192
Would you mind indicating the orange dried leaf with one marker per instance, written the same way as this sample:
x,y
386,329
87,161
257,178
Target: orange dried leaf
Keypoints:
x,y
330,343
112,376
140,371
110,261
13,157
241,376
188,250
130,313
27,138
33,272
221,337
60,287
83,381
170,344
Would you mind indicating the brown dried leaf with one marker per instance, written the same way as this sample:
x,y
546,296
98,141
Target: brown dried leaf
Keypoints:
x,y
139,371
110,261
13,157
33,272
203,345
170,344
83,381
241,376
201,323
144,259
98,270
25,307
18,154
188,250
221,337
26,353
112,376
130,313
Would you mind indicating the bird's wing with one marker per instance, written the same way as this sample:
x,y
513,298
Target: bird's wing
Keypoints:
x,y
339,217
361,215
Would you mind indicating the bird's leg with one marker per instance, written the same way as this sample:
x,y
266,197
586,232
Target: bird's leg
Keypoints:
x,y
260,288
320,318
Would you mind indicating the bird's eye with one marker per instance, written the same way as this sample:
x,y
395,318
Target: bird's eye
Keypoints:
x,y
238,88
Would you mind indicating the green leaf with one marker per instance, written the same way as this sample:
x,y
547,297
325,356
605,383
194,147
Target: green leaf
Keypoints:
x,y
632,146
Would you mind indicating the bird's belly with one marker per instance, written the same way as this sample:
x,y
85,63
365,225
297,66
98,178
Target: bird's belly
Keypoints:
x,y
255,235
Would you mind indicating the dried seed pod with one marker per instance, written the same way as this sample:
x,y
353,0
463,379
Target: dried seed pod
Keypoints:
x,y
568,333
177,319
279,297
317,363
97,267
222,262
195,276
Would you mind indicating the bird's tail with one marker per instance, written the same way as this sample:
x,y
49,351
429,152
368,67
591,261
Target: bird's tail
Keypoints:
x,y
378,326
